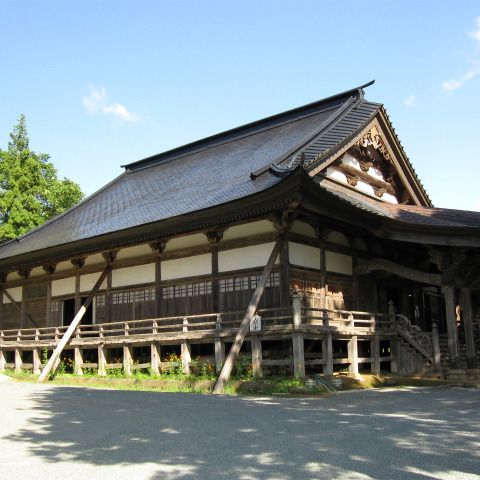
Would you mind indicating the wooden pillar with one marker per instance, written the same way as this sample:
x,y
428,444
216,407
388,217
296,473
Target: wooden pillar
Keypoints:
x,y
127,360
1,308
102,361
48,313
158,288
155,358
23,311
323,277
3,360
78,300
108,298
256,354
327,348
185,350
355,280
353,356
467,314
214,238
219,346
297,339
36,361
285,274
449,294
18,360
78,352
436,348
375,354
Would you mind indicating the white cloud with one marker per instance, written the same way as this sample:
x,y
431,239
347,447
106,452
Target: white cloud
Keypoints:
x,y
455,84
411,101
96,103
476,33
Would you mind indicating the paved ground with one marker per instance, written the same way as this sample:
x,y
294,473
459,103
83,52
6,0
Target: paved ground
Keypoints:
x,y
51,432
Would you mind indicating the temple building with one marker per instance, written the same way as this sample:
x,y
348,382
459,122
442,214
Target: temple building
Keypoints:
x,y
366,274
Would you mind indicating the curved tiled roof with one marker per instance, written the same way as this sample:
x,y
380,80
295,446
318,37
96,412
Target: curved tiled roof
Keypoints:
x,y
197,176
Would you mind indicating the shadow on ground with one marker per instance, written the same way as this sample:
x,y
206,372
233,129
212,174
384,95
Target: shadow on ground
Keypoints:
x,y
406,434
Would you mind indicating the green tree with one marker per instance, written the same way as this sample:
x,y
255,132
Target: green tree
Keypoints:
x,y
30,192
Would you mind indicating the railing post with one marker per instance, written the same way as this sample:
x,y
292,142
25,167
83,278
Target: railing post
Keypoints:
x,y
436,348
375,354
297,338
155,352
185,350
327,347
127,353
394,354
219,345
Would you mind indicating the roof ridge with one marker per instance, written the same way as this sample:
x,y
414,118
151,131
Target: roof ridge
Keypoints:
x,y
157,158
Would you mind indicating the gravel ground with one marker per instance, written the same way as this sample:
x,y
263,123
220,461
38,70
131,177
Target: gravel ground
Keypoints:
x,y
54,432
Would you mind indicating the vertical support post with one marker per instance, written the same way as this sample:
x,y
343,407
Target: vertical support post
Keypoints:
x,y
185,350
467,313
23,308
375,354
353,356
78,300
297,338
3,360
18,360
219,346
256,354
102,361
323,277
158,288
127,353
48,313
1,307
436,348
36,361
285,274
155,352
449,294
327,347
78,352
108,298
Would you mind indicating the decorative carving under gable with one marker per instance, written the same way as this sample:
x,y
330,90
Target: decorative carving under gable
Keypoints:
x,y
214,236
371,151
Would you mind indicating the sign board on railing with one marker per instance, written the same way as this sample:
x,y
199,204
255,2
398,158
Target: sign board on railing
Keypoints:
x,y
256,323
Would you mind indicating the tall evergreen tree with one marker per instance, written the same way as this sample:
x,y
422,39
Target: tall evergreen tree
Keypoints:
x,y
30,192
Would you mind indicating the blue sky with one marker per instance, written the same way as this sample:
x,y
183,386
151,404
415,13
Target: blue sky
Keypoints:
x,y
104,83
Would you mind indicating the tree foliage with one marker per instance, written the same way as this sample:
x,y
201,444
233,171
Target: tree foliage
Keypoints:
x,y
30,192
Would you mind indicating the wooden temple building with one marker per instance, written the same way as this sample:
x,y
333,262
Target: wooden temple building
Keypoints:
x,y
319,206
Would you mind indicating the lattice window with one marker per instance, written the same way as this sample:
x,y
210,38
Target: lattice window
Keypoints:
x,y
54,306
187,290
37,290
249,282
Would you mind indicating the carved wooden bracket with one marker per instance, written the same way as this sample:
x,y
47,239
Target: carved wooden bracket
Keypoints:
x,y
25,273
158,246
78,262
50,268
282,221
110,256
214,236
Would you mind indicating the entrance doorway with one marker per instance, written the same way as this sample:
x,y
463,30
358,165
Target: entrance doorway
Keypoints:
x,y
69,312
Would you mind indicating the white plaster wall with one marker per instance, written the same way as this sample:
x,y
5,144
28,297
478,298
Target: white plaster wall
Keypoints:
x,y
337,237
65,286
338,262
87,282
336,175
62,266
13,276
186,242
133,275
249,229
303,228
37,272
95,259
365,187
187,267
304,255
246,257
16,293
132,252
389,198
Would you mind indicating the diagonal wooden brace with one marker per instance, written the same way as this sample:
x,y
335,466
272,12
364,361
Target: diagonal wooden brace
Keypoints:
x,y
73,326
245,323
